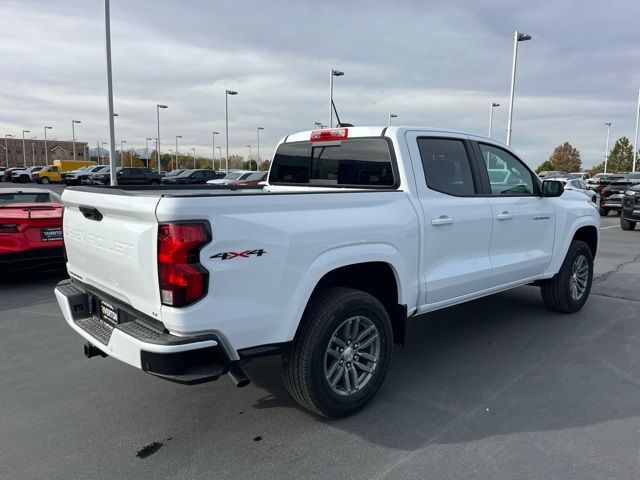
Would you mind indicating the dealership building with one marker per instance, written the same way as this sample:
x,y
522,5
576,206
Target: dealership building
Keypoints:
x,y
14,154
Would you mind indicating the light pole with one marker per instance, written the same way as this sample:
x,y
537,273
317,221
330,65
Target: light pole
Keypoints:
x,y
517,37
213,150
122,142
6,146
112,140
392,115
332,73
258,162
493,105
318,125
24,153
194,157
220,155
73,134
158,107
226,125
146,149
33,151
249,157
103,149
176,152
46,150
635,142
606,152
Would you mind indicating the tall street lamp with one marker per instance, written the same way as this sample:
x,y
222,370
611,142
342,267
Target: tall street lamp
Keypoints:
x,y
73,134
226,124
249,157
24,153
517,37
635,142
258,162
213,150
146,149
46,150
176,152
332,73
122,142
158,107
392,115
6,146
194,157
33,151
493,105
220,155
606,151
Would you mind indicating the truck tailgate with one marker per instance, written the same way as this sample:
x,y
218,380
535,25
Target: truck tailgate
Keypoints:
x,y
111,243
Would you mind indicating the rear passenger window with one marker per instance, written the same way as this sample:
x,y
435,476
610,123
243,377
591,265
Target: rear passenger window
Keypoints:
x,y
446,166
358,162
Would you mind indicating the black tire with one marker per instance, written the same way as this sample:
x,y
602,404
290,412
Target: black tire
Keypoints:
x,y
556,292
44,180
304,365
603,212
155,182
627,224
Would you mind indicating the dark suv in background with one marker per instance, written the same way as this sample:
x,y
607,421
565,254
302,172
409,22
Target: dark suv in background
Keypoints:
x,y
128,176
630,214
192,177
611,196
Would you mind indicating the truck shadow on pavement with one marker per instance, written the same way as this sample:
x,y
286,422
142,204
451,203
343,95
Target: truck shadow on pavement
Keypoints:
x,y
21,288
498,365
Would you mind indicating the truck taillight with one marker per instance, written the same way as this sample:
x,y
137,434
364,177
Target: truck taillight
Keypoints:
x,y
183,280
329,135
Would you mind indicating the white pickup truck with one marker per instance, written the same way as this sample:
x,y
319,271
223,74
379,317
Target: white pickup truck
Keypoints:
x,y
358,231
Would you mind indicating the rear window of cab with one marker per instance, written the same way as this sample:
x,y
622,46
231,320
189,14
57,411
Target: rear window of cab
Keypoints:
x,y
357,162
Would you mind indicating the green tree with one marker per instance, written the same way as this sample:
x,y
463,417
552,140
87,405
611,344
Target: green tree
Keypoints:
x,y
620,156
264,165
566,158
545,166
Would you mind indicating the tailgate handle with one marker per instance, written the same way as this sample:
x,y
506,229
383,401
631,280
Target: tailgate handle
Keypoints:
x,y
91,213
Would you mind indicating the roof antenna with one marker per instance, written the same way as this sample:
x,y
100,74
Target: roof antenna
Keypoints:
x,y
339,124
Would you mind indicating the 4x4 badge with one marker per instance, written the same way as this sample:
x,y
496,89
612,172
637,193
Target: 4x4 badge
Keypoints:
x,y
245,254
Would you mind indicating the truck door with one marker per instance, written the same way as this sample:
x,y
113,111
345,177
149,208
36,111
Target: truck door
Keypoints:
x,y
523,221
458,220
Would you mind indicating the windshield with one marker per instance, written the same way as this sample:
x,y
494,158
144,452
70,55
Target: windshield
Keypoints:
x,y
174,172
232,176
27,197
186,173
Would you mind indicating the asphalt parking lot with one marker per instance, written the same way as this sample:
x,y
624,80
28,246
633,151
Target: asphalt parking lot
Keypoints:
x,y
499,388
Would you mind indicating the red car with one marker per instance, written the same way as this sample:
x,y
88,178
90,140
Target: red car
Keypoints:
x,y
30,229
252,180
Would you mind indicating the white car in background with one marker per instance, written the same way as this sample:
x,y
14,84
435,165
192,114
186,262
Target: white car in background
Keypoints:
x,y
579,185
231,177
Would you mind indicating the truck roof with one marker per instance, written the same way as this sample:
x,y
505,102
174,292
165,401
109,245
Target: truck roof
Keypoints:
x,y
376,131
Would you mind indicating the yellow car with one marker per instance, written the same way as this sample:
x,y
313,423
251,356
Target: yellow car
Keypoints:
x,y
51,173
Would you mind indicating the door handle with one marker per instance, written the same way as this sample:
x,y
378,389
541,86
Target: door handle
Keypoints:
x,y
441,220
504,216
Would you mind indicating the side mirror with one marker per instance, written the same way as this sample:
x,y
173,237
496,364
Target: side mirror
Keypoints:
x,y
552,188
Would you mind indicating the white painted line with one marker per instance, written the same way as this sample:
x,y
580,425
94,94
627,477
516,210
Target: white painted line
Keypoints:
x,y
612,226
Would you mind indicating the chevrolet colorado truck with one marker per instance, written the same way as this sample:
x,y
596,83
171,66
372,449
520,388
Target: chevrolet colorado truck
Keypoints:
x,y
358,232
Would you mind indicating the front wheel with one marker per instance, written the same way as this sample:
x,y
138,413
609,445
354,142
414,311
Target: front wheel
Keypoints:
x,y
569,289
341,353
45,180
627,224
603,212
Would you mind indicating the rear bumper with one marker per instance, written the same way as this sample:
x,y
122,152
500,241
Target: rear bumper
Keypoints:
x,y
31,259
142,342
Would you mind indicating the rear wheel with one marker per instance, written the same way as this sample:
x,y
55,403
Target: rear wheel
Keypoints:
x,y
627,224
45,180
603,212
569,289
341,353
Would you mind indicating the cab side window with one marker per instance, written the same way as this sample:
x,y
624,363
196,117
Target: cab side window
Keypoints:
x,y
447,167
507,174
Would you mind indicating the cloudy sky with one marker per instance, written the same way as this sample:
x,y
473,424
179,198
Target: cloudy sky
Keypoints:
x,y
437,64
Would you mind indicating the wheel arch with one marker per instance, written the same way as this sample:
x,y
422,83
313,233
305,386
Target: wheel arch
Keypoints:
x,y
376,269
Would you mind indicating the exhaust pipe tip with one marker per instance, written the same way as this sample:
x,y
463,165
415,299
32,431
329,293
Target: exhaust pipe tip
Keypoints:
x,y
90,351
238,376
